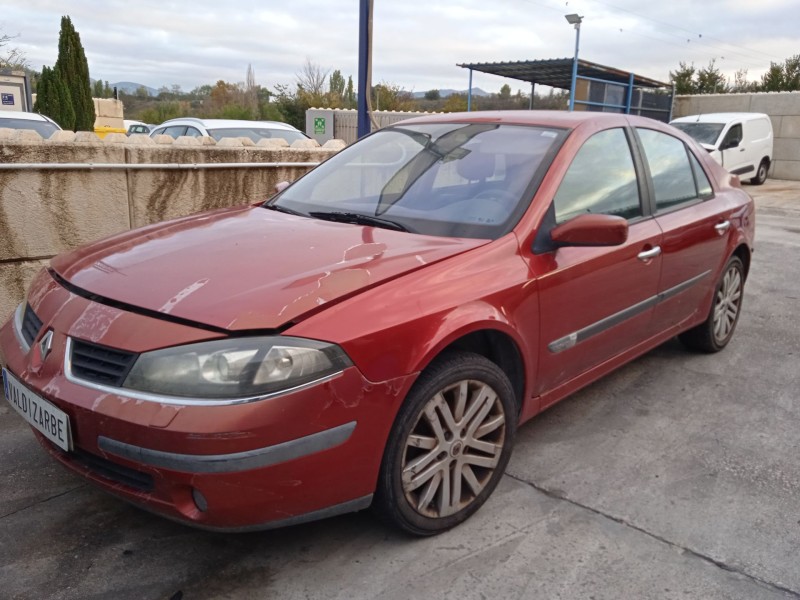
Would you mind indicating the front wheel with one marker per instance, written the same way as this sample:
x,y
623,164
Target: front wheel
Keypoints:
x,y
717,330
449,446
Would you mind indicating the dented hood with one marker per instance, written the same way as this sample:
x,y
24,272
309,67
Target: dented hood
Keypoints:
x,y
247,268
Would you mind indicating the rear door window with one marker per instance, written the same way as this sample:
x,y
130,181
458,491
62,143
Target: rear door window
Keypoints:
x,y
673,176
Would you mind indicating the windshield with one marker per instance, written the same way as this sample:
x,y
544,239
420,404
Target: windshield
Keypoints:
x,y
44,128
470,180
256,133
705,133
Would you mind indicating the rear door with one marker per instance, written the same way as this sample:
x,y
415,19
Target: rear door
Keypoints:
x,y
696,226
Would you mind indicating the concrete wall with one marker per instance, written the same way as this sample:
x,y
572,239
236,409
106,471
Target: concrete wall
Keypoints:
x,y
44,212
108,113
783,109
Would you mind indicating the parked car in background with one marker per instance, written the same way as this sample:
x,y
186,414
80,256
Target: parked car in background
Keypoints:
x,y
376,331
740,142
229,128
137,127
44,126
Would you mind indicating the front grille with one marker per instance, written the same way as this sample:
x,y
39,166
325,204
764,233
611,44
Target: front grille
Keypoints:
x,y
111,470
31,325
100,364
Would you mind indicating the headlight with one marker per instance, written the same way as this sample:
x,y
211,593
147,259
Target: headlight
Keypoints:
x,y
235,367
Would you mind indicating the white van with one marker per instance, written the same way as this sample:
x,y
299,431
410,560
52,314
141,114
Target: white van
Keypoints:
x,y
740,142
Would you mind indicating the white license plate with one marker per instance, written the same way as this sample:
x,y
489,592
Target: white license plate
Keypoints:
x,y
49,420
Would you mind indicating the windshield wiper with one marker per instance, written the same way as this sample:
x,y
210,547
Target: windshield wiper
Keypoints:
x,y
357,219
283,209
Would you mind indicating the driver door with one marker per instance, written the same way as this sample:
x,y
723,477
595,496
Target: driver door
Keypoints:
x,y
596,302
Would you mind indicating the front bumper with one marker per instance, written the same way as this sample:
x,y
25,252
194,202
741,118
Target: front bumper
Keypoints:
x,y
298,456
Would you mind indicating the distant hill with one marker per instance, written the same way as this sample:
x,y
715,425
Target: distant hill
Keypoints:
x,y
129,87
444,93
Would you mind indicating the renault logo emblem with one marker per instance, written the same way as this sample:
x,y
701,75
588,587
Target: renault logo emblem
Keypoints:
x,y
45,344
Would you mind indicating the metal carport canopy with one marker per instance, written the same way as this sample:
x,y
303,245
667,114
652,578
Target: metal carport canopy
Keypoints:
x,y
557,72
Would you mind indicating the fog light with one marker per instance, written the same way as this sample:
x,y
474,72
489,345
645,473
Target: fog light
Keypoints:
x,y
199,500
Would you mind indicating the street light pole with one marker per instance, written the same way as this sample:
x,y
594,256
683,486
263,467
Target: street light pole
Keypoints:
x,y
574,19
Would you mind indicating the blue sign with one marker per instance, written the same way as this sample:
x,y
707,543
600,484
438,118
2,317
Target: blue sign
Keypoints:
x,y
7,99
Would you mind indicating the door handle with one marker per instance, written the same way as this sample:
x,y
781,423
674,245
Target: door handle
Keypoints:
x,y
722,227
646,255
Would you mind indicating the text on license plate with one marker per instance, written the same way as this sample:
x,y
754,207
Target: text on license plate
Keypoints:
x,y
49,420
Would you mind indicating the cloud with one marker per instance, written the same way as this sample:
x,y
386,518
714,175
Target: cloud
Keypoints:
x,y
417,44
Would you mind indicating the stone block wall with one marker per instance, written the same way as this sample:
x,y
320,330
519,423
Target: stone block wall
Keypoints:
x,y
783,109
51,201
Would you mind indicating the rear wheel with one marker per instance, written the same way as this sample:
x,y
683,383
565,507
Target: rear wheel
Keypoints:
x,y
761,174
717,330
449,446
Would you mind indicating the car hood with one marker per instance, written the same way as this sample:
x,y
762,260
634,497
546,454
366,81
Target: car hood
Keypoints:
x,y
247,268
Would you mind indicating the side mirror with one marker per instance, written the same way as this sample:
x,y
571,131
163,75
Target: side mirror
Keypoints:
x,y
591,230
279,187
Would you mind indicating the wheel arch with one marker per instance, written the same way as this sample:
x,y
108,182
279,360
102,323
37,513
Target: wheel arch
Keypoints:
x,y
742,251
495,345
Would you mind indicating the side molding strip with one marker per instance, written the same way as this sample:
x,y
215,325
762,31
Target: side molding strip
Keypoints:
x,y
568,341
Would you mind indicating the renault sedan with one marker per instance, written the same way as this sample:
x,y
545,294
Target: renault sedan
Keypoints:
x,y
375,332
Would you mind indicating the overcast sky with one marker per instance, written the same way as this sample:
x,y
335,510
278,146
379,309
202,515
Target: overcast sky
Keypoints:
x,y
417,43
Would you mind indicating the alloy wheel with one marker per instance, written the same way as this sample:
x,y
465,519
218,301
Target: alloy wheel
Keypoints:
x,y
453,449
728,300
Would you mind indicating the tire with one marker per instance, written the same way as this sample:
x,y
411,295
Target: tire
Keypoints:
x,y
761,173
717,330
454,433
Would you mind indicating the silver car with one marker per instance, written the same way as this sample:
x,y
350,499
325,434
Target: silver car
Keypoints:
x,y
229,128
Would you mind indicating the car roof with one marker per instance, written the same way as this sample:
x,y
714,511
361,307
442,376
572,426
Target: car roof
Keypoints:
x,y
547,118
229,123
720,117
27,116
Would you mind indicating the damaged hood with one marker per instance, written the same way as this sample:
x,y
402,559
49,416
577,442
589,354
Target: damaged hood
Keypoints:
x,y
247,268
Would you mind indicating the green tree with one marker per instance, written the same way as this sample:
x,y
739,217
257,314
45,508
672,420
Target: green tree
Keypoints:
x,y
505,92
684,79
710,80
97,89
336,89
432,95
163,111
350,100
53,99
457,103
782,77
74,71
390,96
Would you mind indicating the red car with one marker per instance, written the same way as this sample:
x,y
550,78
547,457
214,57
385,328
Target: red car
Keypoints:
x,y
375,332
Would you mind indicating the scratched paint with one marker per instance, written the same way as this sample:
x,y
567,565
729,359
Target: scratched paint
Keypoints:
x,y
94,322
182,295
330,286
363,251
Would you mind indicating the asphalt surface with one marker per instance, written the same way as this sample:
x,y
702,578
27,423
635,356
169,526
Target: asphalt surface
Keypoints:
x,y
675,477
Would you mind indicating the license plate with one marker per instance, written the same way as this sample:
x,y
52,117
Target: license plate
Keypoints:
x,y
49,420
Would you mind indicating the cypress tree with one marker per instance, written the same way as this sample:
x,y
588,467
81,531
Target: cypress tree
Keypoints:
x,y
53,100
73,70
